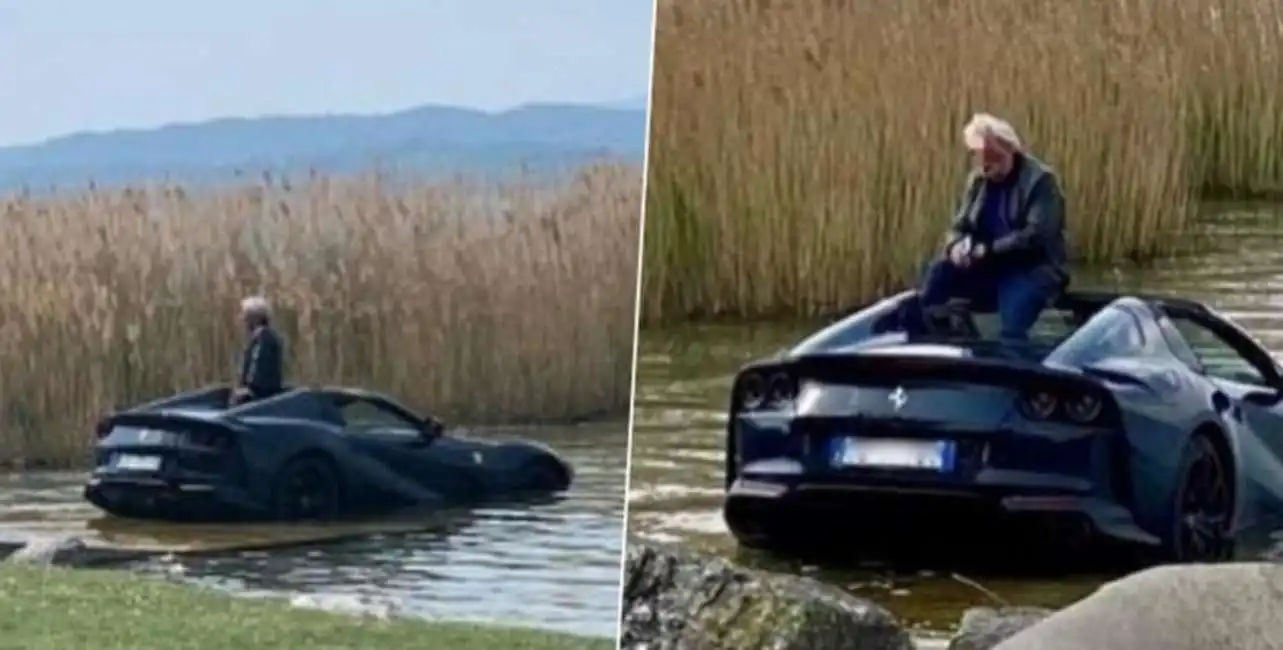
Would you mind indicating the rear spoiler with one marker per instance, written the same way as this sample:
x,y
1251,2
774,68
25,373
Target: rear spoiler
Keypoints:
x,y
893,369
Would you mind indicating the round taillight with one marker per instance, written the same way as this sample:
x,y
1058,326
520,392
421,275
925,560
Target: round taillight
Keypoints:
x,y
1039,406
752,391
1083,409
779,389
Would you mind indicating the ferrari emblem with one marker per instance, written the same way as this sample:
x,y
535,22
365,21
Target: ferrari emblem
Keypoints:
x,y
476,457
898,398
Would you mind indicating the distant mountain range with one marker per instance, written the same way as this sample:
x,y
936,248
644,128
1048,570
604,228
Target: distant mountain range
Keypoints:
x,y
432,140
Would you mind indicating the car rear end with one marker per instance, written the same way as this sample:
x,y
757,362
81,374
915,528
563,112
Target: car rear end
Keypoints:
x,y
938,445
172,466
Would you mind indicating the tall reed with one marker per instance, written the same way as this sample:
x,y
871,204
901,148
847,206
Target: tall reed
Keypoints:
x,y
805,156
485,304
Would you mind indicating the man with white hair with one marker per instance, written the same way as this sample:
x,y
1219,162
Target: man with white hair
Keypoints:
x,y
1006,247
261,365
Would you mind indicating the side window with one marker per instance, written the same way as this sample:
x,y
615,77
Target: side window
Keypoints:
x,y
1178,345
368,417
1218,358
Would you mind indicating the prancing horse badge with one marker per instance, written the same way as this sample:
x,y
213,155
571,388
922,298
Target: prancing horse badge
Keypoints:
x,y
898,398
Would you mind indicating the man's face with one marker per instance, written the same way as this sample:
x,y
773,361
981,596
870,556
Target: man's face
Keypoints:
x,y
993,159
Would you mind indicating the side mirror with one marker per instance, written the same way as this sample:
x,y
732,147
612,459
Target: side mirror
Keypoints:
x,y
432,427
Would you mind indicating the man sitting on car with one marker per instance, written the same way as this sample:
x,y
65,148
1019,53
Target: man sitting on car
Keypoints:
x,y
261,364
1007,243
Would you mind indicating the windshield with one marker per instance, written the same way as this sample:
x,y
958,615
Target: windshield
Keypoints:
x,y
1113,332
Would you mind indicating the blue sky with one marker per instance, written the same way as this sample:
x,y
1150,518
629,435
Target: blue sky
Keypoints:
x,y
72,65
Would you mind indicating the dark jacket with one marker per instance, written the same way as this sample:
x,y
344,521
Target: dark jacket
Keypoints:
x,y
261,364
1035,215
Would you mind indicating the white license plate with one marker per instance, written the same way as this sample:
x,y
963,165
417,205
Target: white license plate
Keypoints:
x,y
935,455
138,463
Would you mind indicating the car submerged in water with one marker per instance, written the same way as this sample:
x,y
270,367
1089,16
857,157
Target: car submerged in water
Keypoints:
x,y
304,454
1143,423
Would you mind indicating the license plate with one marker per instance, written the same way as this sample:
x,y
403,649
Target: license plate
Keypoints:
x,y
933,455
138,463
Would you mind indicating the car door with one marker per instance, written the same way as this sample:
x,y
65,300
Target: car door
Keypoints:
x,y
399,441
1240,368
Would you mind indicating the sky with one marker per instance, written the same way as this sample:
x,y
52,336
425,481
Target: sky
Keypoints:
x,y
71,65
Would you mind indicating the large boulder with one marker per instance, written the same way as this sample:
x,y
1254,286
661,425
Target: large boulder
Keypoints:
x,y
677,600
1179,607
982,628
59,551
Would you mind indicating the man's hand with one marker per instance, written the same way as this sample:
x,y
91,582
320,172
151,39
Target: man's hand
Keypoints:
x,y
239,394
960,252
978,252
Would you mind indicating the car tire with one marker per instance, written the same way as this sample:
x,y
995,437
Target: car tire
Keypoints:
x,y
1202,505
307,488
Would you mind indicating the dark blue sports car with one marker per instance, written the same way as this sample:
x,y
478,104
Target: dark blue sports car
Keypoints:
x,y
1143,422
307,453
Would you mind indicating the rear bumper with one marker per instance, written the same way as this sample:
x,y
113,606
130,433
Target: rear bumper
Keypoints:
x,y
755,506
188,499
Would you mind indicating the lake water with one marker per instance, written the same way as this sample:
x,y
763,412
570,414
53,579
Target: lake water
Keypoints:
x,y
554,565
684,378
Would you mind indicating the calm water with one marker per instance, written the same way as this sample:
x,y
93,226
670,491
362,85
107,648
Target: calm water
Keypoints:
x,y
684,378
554,566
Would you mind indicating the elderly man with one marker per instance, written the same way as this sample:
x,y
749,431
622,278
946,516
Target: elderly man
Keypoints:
x,y
1007,243
261,365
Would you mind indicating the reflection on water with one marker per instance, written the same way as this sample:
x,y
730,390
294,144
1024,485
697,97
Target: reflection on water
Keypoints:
x,y
684,377
550,565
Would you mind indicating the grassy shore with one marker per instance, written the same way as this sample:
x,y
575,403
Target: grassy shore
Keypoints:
x,y
61,609
485,304
805,156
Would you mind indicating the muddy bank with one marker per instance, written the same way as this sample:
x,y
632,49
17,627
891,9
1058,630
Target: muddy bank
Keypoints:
x,y
680,599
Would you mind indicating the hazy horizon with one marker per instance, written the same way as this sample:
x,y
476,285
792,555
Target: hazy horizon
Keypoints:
x,y
144,64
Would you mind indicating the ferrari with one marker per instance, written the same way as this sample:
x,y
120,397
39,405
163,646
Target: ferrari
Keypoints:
x,y
1147,423
304,454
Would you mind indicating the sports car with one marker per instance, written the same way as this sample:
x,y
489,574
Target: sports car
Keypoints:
x,y
1146,423
304,454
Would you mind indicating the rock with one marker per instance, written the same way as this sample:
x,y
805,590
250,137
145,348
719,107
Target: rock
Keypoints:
x,y
677,600
1179,607
56,551
982,628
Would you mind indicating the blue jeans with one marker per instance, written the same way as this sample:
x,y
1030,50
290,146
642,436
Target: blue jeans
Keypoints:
x,y
1020,295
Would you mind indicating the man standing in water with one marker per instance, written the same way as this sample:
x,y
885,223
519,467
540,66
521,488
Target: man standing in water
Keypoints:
x,y
1007,242
261,364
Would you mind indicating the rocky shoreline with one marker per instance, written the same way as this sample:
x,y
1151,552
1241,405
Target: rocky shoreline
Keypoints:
x,y
675,599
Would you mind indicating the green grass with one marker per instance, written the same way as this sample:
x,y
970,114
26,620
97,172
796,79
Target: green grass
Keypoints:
x,y
64,609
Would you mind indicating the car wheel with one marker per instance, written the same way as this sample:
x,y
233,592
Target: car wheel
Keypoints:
x,y
307,487
1204,505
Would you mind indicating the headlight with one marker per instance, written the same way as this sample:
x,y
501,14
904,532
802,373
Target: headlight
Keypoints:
x,y
1083,409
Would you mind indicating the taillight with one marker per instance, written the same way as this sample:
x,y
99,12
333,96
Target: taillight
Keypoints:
x,y
1039,405
1083,409
752,391
780,390
755,391
1076,408
102,429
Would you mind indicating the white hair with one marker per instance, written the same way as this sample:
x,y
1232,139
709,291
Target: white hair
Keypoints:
x,y
256,306
984,127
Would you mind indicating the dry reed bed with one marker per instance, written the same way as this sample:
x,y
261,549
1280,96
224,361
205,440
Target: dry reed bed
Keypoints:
x,y
486,304
805,155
